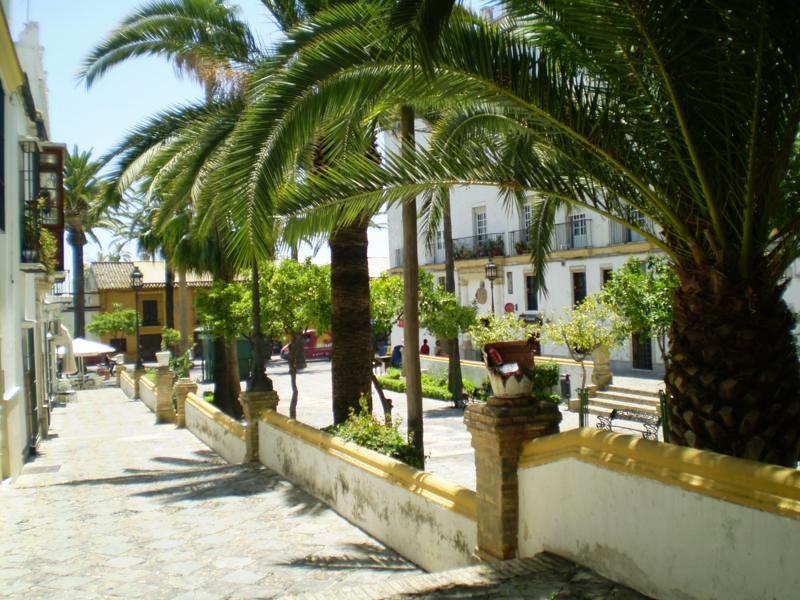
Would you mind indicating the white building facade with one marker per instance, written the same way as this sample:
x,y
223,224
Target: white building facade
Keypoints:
x,y
31,200
587,248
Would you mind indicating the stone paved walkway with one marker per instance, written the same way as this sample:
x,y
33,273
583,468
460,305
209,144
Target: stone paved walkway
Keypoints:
x,y
116,506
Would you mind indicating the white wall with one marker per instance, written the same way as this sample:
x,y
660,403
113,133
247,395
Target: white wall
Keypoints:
x,y
421,530
215,429
660,539
147,393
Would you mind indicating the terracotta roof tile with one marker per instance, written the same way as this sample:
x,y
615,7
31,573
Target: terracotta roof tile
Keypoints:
x,y
117,275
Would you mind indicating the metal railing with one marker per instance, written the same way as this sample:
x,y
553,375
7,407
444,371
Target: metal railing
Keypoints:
x,y
518,242
31,230
619,234
479,246
573,234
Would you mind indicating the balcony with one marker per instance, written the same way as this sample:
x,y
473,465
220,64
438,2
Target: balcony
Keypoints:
x,y
479,246
573,234
619,234
518,242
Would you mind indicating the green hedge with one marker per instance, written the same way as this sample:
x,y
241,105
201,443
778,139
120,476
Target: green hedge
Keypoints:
x,y
545,378
432,386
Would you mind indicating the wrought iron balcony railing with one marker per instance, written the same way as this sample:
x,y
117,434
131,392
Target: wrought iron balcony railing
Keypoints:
x,y
479,246
576,233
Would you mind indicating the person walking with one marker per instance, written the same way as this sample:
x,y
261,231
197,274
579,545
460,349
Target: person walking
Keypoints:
x,y
425,349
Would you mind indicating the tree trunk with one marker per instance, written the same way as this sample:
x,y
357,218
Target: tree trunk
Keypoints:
x,y
733,378
454,376
169,294
258,381
183,314
293,380
351,329
386,404
234,379
224,398
77,239
296,339
410,298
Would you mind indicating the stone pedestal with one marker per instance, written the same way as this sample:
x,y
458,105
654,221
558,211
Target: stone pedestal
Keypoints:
x,y
183,388
253,404
499,428
137,375
601,373
119,370
165,412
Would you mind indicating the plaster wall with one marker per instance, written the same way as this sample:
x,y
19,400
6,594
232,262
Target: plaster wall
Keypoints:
x,y
359,484
127,385
216,430
660,539
147,393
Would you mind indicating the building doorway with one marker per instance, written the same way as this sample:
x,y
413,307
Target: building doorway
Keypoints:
x,y
29,379
642,350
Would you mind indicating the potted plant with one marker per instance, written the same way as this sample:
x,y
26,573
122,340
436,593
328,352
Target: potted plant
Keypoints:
x,y
169,338
507,353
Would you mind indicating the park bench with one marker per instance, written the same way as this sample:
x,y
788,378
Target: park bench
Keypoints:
x,y
650,421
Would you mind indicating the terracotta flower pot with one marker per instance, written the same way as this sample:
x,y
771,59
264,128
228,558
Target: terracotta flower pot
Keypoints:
x,y
513,384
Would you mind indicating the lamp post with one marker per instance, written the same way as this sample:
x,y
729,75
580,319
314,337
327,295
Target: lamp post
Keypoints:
x,y
490,270
137,282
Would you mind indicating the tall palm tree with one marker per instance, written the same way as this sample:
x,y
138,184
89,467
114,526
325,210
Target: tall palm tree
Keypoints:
x,y
84,211
205,38
676,119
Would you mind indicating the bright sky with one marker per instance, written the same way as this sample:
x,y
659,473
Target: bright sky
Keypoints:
x,y
98,118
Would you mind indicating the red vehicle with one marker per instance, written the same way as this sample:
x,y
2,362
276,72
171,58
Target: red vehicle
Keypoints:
x,y
314,346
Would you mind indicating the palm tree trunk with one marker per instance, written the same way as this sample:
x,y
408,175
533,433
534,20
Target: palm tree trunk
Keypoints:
x,y
454,376
258,382
169,293
733,375
77,239
183,313
351,329
410,299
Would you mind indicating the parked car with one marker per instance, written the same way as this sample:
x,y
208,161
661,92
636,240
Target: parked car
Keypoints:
x,y
314,346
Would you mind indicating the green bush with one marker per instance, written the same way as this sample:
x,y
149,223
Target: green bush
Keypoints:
x,y
545,378
433,386
364,429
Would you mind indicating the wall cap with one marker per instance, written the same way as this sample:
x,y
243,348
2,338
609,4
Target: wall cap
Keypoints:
x,y
762,486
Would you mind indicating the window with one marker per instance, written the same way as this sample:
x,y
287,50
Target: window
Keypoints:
x,y
578,287
479,222
439,240
531,293
606,273
527,216
578,225
149,312
510,283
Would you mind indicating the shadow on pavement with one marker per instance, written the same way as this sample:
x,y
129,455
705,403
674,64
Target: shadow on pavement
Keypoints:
x,y
363,556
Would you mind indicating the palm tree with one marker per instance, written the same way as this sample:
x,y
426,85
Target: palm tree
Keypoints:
x,y
84,211
676,119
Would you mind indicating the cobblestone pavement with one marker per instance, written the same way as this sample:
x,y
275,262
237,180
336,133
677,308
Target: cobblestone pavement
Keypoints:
x,y
116,506
545,577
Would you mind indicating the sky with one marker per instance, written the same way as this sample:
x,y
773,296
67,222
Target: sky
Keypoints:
x,y
99,117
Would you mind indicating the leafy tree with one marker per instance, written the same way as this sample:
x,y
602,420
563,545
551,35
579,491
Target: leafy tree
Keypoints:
x,y
120,321
224,310
591,325
642,294
493,328
296,297
386,303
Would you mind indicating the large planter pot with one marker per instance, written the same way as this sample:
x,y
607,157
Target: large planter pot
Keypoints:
x,y
509,385
163,358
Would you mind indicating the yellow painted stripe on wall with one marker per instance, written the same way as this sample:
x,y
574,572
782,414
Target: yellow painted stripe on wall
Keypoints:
x,y
9,61
765,487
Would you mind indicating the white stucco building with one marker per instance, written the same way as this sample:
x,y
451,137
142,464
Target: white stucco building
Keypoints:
x,y
587,247
31,200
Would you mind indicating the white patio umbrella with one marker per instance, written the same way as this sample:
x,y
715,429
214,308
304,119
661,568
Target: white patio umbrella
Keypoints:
x,y
82,347
63,341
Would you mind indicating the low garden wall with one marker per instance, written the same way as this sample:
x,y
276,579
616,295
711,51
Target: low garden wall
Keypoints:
x,y
218,431
669,521
127,385
428,520
147,393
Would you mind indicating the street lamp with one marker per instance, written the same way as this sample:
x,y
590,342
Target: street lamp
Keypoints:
x,y
490,270
137,282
